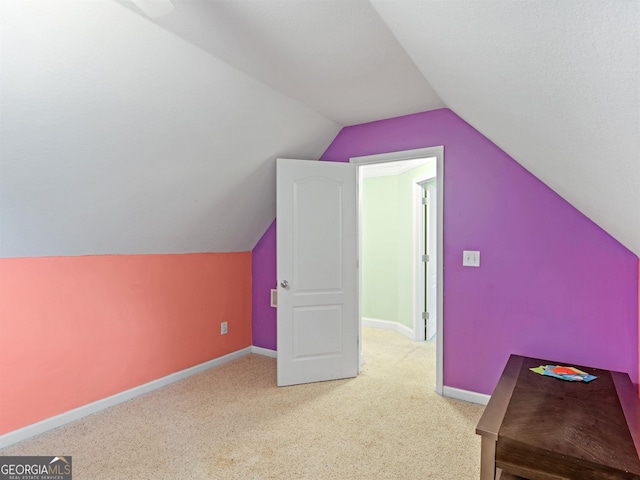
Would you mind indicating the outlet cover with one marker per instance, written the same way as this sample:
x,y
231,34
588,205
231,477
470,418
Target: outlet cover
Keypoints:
x,y
223,328
470,258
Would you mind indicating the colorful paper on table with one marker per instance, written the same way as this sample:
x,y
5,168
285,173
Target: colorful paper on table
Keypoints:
x,y
570,374
567,371
539,370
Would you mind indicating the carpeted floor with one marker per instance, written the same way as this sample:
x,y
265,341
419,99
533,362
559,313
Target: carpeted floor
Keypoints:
x,y
232,422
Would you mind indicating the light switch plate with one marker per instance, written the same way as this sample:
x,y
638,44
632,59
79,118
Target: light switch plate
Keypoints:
x,y
470,258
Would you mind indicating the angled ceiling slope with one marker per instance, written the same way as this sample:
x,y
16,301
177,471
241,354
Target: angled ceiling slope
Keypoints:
x,y
120,137
335,56
556,84
122,134
126,134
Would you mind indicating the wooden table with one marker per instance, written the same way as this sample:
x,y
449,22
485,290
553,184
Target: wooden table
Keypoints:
x,y
541,428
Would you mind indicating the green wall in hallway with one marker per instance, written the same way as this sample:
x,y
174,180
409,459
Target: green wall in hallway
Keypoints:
x,y
387,245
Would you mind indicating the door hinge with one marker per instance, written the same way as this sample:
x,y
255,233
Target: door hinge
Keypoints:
x,y
425,315
425,201
425,258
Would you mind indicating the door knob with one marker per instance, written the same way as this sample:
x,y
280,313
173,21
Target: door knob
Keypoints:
x,y
284,284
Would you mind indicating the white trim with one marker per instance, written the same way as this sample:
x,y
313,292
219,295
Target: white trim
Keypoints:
x,y
265,352
360,216
440,267
388,325
466,395
389,169
406,331
429,152
379,324
104,403
419,268
432,285
425,153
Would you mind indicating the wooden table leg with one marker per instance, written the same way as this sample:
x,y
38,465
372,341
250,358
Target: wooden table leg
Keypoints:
x,y
487,459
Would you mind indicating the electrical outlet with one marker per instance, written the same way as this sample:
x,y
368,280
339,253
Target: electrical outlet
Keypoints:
x,y
470,258
223,328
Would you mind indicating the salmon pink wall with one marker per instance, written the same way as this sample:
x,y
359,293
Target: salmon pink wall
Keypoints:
x,y
74,330
552,284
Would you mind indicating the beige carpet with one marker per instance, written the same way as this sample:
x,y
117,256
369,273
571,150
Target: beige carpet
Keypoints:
x,y
232,422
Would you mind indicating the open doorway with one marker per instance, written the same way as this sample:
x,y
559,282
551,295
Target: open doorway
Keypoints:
x,y
394,219
399,198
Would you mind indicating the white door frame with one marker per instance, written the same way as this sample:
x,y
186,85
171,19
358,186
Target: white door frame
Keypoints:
x,y
420,269
428,189
431,267
438,153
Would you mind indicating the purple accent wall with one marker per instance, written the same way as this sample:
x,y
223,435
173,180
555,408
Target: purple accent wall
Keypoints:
x,y
551,284
263,266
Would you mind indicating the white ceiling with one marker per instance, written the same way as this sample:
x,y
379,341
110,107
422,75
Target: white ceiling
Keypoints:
x,y
554,83
337,57
122,134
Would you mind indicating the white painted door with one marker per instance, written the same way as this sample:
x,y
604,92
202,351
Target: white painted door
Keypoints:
x,y
318,326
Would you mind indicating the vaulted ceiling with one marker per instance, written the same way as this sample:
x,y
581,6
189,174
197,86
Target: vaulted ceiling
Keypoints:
x,y
126,134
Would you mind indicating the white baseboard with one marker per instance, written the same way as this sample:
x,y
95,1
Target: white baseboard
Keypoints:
x,y
466,395
264,352
388,325
102,404
406,331
94,407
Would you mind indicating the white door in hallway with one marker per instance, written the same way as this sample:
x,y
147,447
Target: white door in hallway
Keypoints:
x,y
318,328
432,265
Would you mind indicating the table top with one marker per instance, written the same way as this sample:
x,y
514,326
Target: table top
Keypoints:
x,y
567,429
